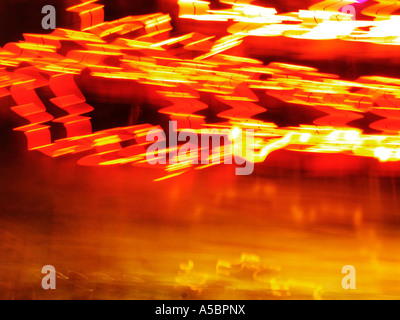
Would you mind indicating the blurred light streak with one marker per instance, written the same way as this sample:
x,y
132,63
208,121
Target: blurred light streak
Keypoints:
x,y
143,52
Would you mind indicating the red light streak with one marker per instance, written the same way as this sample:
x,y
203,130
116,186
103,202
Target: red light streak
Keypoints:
x,y
212,69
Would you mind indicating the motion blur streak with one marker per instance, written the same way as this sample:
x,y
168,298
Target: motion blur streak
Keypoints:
x,y
318,87
147,59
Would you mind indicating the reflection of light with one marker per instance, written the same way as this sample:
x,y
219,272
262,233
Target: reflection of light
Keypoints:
x,y
305,137
334,136
383,154
236,132
352,135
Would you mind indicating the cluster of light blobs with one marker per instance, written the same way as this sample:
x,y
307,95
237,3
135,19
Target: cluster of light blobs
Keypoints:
x,y
144,49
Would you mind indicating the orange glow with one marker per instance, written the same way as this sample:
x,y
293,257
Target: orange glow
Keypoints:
x,y
317,89
215,70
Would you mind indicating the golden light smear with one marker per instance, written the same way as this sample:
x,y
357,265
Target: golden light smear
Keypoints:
x,y
213,69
